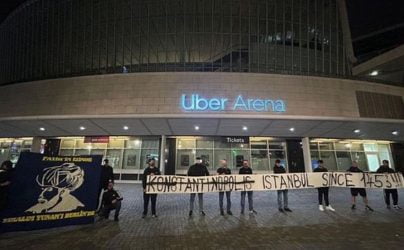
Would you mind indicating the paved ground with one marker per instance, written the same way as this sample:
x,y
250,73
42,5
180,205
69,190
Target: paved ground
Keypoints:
x,y
305,228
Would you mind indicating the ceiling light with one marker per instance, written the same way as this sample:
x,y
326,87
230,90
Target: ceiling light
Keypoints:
x,y
82,128
395,132
196,128
245,128
42,129
357,131
292,129
374,73
125,127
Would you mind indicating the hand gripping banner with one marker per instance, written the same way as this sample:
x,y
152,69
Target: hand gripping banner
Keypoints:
x,y
261,182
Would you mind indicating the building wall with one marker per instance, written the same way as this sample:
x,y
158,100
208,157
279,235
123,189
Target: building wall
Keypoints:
x,y
160,93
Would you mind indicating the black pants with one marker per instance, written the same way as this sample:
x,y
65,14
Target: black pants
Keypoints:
x,y
323,192
106,210
393,193
146,198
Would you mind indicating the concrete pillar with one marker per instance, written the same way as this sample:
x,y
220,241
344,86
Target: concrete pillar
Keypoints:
x,y
36,144
306,154
162,159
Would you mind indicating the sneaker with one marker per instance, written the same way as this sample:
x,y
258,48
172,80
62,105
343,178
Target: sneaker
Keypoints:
x,y
388,206
154,216
287,209
229,213
353,207
330,208
203,213
221,213
143,216
397,207
369,208
190,213
116,219
281,210
253,212
242,212
321,208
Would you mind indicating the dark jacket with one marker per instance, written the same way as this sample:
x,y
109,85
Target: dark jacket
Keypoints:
x,y
107,175
198,170
354,170
385,169
109,196
244,170
318,169
5,176
279,170
147,172
222,170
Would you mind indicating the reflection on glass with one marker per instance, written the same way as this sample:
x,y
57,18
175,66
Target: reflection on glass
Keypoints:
x,y
343,160
329,160
114,157
259,159
131,159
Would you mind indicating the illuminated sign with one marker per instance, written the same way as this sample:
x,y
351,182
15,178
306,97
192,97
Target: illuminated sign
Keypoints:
x,y
195,102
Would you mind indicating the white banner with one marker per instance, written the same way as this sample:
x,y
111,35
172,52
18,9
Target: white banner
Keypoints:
x,y
261,182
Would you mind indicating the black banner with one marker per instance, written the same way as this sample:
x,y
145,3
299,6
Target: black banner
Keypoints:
x,y
51,191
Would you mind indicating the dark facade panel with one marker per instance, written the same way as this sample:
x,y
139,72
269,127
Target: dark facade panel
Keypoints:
x,y
375,105
46,39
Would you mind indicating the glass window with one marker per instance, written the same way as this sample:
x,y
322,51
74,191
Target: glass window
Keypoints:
x,y
343,146
329,160
98,152
116,143
343,160
373,162
239,156
186,143
370,147
220,144
133,143
185,158
80,143
204,144
259,159
131,159
223,155
277,145
326,146
82,152
148,154
150,143
356,146
384,153
360,157
207,156
259,144
313,146
66,152
114,157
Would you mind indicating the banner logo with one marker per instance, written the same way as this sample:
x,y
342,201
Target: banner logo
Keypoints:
x,y
57,183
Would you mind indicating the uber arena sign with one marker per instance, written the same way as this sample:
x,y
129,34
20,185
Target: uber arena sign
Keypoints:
x,y
195,102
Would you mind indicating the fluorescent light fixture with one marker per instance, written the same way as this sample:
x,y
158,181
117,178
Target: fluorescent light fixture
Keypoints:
x,y
357,131
82,128
196,128
245,128
125,127
374,73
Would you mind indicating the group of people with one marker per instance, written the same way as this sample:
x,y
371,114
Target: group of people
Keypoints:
x,y
199,169
111,199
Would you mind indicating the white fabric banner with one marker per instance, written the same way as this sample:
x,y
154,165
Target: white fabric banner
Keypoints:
x,y
261,182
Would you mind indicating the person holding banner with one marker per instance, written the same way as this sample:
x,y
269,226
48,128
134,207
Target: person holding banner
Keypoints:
x,y
245,169
279,169
198,169
323,191
224,170
385,168
5,175
361,191
150,170
107,176
111,200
